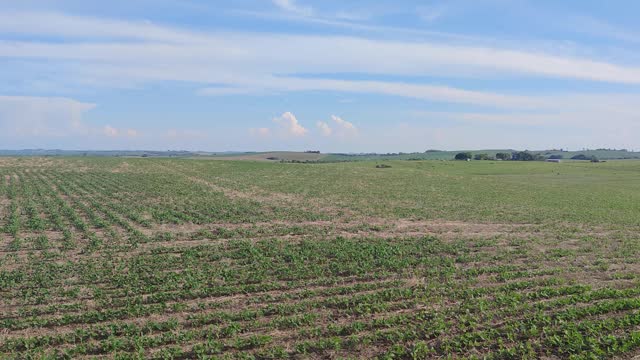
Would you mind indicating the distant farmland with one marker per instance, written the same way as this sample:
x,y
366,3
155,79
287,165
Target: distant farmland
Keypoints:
x,y
272,156
449,155
173,258
427,155
299,156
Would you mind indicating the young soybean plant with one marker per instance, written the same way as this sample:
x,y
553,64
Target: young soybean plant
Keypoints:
x,y
164,258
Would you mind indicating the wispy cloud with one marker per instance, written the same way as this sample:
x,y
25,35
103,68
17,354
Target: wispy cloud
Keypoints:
x,y
85,27
599,28
416,91
294,7
95,50
431,13
570,113
226,57
354,21
352,15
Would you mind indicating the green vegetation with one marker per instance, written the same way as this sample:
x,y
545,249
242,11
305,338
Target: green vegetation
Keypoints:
x,y
284,156
580,157
526,156
464,156
504,154
482,157
178,259
314,156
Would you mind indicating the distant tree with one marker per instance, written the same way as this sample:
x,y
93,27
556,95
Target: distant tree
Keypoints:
x,y
503,156
557,156
482,157
594,159
580,157
522,156
526,156
463,156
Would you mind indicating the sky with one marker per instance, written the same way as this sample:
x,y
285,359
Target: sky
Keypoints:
x,y
335,76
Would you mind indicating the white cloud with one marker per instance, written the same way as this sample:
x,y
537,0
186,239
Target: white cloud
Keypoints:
x,y
290,125
345,128
36,119
324,128
42,116
342,128
293,7
97,51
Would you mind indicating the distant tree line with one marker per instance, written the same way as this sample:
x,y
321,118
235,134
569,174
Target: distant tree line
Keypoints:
x,y
464,156
515,156
520,156
527,156
585,157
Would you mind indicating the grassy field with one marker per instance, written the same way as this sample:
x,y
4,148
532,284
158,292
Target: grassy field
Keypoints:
x,y
178,258
269,156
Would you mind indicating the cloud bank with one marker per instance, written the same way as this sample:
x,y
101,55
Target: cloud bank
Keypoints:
x,y
99,52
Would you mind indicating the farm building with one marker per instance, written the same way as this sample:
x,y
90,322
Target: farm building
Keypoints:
x,y
553,160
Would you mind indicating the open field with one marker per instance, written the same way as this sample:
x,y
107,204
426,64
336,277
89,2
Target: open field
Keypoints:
x,y
269,156
291,156
177,258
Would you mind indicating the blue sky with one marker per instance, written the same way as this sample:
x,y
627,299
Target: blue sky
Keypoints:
x,y
356,76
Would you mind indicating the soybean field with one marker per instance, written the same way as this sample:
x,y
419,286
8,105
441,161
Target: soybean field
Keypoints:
x,y
131,258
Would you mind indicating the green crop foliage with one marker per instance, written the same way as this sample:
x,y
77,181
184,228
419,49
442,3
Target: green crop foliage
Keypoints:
x,y
179,258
